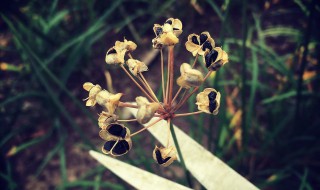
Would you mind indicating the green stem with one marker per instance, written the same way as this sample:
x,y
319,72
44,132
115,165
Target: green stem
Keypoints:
x,y
175,140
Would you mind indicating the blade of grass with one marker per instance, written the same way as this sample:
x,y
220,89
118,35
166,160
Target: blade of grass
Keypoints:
x,y
44,82
284,96
48,72
254,85
244,75
21,96
302,67
32,142
62,155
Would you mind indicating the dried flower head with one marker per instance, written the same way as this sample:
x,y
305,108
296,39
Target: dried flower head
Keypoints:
x,y
116,135
136,66
101,97
167,34
189,77
115,55
215,58
118,141
93,91
199,44
164,156
146,110
208,101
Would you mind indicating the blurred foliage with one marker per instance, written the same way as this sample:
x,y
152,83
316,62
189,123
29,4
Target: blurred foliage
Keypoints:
x,y
267,128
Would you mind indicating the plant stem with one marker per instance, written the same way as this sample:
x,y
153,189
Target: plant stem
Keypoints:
x,y
187,114
124,104
126,120
175,96
171,56
139,86
195,60
150,125
162,76
169,132
175,140
148,86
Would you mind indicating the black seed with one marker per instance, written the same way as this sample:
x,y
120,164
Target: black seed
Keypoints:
x,y
169,21
212,96
111,51
158,31
121,148
117,130
195,40
207,45
212,105
108,145
123,133
203,38
216,66
211,57
160,160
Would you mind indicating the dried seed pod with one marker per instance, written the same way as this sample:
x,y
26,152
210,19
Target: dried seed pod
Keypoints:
x,y
189,77
125,46
215,58
105,119
146,110
93,91
208,101
114,56
167,34
136,66
164,156
118,139
116,147
102,97
114,131
199,44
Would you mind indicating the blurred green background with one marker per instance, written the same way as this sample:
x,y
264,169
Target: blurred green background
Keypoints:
x,y
268,125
